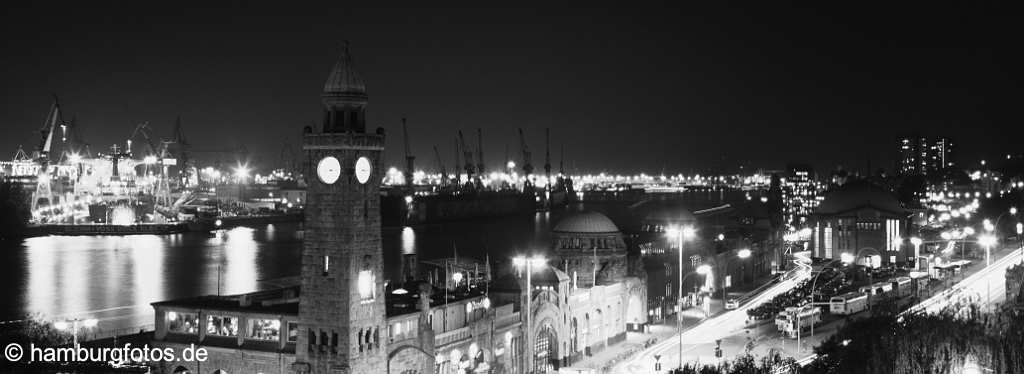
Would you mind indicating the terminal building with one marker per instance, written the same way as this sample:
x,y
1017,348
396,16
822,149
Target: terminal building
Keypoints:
x,y
862,220
585,299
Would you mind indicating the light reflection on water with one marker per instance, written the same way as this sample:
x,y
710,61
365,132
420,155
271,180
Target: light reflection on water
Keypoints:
x,y
115,278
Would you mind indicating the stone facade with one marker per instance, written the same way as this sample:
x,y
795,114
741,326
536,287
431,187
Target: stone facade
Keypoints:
x,y
342,312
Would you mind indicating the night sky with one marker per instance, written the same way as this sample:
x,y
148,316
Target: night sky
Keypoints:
x,y
624,89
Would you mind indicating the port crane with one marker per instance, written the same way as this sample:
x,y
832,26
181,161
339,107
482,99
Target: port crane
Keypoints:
x,y
480,157
42,156
468,156
161,188
409,158
440,165
527,161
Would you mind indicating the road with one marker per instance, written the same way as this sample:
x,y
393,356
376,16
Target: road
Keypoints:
x,y
718,327
977,287
699,340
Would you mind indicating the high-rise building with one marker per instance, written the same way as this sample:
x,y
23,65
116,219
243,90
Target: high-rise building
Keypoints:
x,y
920,156
940,154
801,193
913,154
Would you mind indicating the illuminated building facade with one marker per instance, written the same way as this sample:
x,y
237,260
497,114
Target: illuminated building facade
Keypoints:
x,y
940,155
801,194
861,220
919,156
913,155
575,314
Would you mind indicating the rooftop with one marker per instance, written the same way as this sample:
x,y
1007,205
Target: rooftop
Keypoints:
x,y
586,222
859,194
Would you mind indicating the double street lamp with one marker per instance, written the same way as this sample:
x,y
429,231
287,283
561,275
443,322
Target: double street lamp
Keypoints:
x,y
529,264
682,233
74,325
702,270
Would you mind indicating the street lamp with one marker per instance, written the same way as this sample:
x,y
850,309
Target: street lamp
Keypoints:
x,y
1020,234
847,258
741,254
917,252
987,241
702,270
457,277
536,261
681,234
813,284
74,325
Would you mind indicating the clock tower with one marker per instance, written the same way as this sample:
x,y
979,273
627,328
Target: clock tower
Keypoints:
x,y
342,327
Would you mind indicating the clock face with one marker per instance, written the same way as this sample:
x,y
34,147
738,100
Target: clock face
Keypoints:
x,y
363,170
329,169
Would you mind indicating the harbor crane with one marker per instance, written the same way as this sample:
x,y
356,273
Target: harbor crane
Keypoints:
x,y
480,155
409,158
440,165
527,162
42,156
468,157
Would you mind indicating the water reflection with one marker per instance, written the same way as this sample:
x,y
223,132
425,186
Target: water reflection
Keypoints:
x,y
115,278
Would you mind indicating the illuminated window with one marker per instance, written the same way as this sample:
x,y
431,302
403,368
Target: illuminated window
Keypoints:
x,y
293,332
828,242
367,291
222,325
186,323
327,264
264,329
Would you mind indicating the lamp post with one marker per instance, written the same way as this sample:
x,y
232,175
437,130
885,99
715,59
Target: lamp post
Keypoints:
x,y
1020,235
529,263
681,234
917,252
702,270
74,325
849,259
813,284
987,241
742,255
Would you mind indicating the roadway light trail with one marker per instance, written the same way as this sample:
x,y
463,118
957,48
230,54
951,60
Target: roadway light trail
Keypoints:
x,y
975,285
714,328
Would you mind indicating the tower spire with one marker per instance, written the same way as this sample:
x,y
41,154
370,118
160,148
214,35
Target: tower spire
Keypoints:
x,y
344,96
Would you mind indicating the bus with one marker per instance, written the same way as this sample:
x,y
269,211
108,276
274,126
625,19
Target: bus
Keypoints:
x,y
795,319
847,304
902,287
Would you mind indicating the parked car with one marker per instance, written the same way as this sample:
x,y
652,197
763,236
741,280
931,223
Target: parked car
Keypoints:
x,y
732,304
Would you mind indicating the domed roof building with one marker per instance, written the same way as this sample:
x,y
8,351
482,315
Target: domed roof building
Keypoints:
x,y
591,248
585,223
583,300
863,220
